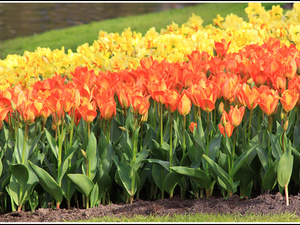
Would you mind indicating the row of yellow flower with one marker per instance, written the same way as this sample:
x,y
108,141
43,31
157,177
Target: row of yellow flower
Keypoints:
x,y
116,52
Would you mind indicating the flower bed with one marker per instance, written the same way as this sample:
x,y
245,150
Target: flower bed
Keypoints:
x,y
182,120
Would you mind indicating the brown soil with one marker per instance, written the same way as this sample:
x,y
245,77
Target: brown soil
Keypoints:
x,y
263,204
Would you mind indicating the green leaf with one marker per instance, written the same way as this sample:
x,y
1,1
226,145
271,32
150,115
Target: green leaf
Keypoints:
x,y
296,139
199,134
214,146
104,182
18,150
91,148
124,172
94,195
263,157
219,172
276,149
238,162
82,182
33,144
67,161
158,152
195,155
127,144
48,183
20,172
285,167
105,154
201,177
158,174
1,167
52,143
141,156
170,181
270,178
164,164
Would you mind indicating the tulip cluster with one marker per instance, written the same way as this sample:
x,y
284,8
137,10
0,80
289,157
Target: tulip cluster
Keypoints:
x,y
256,75
230,112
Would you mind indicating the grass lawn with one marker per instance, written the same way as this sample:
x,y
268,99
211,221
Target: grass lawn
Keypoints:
x,y
227,218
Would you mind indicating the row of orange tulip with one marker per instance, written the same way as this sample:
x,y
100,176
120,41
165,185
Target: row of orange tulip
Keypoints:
x,y
256,75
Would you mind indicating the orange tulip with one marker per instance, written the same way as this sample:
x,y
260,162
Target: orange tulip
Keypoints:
x,y
140,104
209,97
221,48
184,105
172,100
229,89
228,128
27,111
247,96
5,107
108,109
295,84
289,99
3,113
259,78
235,115
123,98
157,91
83,76
88,111
192,126
268,102
290,68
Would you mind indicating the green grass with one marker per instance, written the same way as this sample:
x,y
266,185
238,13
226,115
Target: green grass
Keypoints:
x,y
199,217
74,36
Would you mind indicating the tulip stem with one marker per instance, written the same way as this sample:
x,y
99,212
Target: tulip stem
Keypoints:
x,y
135,143
207,137
72,126
24,142
207,141
183,136
270,124
199,112
161,124
108,131
286,194
249,127
171,139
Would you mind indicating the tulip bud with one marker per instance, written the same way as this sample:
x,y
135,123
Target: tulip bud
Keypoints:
x,y
221,108
286,124
83,153
192,126
144,117
282,114
123,128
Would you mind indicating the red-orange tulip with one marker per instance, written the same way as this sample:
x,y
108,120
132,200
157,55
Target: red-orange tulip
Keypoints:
x,y
108,109
184,105
172,100
140,104
289,99
247,96
88,112
123,98
221,48
268,102
192,126
229,89
235,115
228,128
